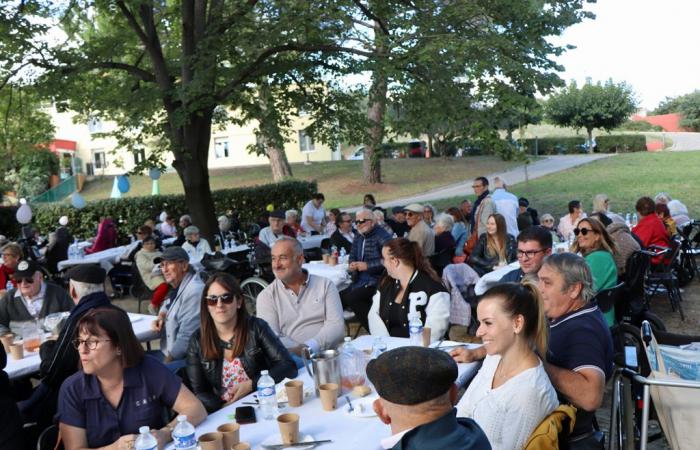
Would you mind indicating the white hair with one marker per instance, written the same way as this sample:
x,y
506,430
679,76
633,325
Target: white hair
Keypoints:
x,y
84,289
662,197
599,203
378,215
445,221
365,212
291,213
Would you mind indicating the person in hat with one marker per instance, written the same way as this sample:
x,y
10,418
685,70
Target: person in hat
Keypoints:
x,y
59,359
420,231
275,230
417,393
397,221
34,298
179,315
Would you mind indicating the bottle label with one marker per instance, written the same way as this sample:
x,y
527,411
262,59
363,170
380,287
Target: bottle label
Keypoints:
x,y
415,329
187,441
266,391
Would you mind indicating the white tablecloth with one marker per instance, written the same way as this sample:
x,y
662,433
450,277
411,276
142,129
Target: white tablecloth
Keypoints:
x,y
31,361
338,274
235,248
347,432
312,241
106,259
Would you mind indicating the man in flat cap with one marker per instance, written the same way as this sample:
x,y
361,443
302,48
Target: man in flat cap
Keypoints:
x,y
34,298
416,398
179,316
420,231
59,359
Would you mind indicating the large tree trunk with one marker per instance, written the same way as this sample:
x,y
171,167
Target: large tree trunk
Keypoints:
x,y
278,163
371,165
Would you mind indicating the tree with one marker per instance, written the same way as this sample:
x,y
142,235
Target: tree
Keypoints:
x,y
605,106
687,105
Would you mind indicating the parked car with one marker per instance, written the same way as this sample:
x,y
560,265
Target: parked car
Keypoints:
x,y
416,149
358,154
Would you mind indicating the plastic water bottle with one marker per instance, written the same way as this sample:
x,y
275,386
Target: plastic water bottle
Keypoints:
x,y
334,250
267,397
145,441
378,347
183,434
415,329
627,219
343,254
9,285
635,220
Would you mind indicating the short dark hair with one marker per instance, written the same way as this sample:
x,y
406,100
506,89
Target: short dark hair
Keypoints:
x,y
116,324
536,233
149,238
483,180
645,206
573,204
339,217
319,196
145,230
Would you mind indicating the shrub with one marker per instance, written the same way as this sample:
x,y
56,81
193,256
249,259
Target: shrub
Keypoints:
x,y
555,145
621,143
129,213
639,125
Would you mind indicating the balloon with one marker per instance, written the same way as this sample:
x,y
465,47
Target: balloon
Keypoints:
x,y
22,201
123,184
154,174
24,214
63,221
270,207
77,201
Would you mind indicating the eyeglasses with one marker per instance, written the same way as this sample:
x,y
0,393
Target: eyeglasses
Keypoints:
x,y
91,344
582,231
410,214
346,221
360,222
226,299
527,254
24,280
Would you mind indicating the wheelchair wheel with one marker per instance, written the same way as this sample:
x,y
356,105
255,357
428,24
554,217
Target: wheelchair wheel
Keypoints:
x,y
251,287
624,434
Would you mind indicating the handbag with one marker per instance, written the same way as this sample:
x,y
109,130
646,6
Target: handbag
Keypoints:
x,y
474,237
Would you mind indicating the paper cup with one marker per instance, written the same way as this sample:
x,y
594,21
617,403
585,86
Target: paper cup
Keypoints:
x,y
211,441
295,392
17,350
241,446
426,336
7,340
231,434
329,396
289,427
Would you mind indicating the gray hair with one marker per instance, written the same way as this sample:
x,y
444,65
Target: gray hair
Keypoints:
x,y
446,221
378,215
662,197
573,269
189,231
546,216
186,217
367,213
599,203
83,289
499,182
296,245
291,213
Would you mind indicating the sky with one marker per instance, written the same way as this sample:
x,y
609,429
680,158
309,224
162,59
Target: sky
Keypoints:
x,y
650,44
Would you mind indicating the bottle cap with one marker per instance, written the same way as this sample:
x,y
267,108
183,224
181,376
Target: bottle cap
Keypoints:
x,y
264,372
144,429
347,339
181,418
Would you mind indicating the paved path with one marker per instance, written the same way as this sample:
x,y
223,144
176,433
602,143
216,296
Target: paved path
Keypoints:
x,y
684,142
537,169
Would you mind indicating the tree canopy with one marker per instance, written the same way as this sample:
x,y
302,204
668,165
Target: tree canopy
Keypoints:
x,y
687,105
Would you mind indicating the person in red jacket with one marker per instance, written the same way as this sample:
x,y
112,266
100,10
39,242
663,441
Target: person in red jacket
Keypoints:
x,y
650,229
106,236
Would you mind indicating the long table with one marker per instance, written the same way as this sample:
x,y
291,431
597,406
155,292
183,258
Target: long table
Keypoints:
x,y
31,361
346,431
105,258
338,274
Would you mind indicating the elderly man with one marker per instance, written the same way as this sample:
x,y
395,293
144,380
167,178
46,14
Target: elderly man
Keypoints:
x,y
420,231
506,205
59,358
303,309
416,396
179,316
274,231
534,245
483,206
398,221
184,222
33,299
365,265
344,235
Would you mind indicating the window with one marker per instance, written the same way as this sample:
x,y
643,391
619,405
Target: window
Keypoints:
x,y
139,155
94,125
306,143
99,160
221,148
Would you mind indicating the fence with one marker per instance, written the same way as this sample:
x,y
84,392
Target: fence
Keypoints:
x,y
57,193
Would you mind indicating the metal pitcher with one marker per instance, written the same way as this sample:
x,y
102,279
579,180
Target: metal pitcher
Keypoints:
x,y
326,367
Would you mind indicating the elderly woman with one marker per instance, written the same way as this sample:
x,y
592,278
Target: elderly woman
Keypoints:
x,y
410,285
195,246
291,221
625,245
444,241
665,215
11,255
663,198
459,232
224,232
429,215
228,352
650,229
547,221
597,247
119,389
512,393
601,204
570,221
153,281
495,248
679,212
379,221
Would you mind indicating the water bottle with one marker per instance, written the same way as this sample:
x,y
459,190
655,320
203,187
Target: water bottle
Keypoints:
x,y
145,441
334,250
267,397
9,285
635,220
627,219
378,347
183,434
342,256
415,329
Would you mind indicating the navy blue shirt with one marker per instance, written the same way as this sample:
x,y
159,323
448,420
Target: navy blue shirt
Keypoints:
x,y
148,387
581,340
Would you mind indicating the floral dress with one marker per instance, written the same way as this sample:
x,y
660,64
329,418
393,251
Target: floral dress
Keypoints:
x,y
232,374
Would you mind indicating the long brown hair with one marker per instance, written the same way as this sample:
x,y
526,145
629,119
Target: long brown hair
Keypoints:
x,y
116,325
604,243
492,244
209,340
456,214
410,253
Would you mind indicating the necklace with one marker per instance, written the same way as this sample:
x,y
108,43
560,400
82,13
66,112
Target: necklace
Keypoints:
x,y
228,345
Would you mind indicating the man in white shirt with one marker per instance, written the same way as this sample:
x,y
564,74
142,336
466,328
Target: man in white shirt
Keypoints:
x,y
506,205
270,234
313,216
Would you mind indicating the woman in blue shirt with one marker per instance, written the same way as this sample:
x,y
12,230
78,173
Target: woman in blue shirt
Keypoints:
x,y
119,389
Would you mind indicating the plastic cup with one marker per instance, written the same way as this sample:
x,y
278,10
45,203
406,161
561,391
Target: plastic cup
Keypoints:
x,y
211,441
241,446
289,427
295,392
7,340
16,350
231,434
329,396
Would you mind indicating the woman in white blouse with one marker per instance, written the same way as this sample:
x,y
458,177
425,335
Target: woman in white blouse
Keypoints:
x,y
511,394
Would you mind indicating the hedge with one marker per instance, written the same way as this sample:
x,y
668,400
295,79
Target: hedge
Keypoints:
x,y
129,213
613,143
621,143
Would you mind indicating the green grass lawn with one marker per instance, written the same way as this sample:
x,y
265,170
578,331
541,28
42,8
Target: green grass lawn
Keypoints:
x,y
340,181
624,178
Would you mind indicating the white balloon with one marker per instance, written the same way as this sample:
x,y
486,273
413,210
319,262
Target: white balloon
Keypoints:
x,y
22,201
63,221
24,214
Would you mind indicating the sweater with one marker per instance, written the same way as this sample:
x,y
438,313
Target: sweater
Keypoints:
x,y
13,309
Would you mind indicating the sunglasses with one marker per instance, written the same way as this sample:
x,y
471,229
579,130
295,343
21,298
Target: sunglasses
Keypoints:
x,y
360,222
226,299
582,231
24,280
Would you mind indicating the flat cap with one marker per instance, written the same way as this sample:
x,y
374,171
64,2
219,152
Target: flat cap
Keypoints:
x,y
414,207
87,273
412,375
277,214
397,209
26,269
173,253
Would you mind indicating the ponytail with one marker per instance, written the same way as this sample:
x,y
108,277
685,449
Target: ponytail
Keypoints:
x,y
409,252
541,335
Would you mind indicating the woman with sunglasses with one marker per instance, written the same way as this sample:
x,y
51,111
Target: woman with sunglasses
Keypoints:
x,y
230,350
547,221
597,247
495,248
119,389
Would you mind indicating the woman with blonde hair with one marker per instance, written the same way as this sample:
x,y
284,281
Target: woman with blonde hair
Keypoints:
x,y
512,393
495,248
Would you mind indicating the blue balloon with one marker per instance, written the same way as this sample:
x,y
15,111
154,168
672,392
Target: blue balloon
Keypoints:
x,y
154,174
123,184
77,201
